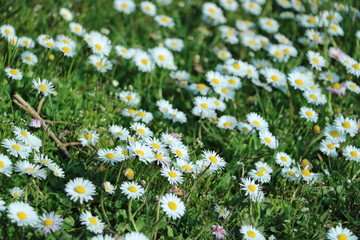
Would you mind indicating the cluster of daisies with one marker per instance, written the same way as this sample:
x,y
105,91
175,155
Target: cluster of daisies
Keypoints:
x,y
26,146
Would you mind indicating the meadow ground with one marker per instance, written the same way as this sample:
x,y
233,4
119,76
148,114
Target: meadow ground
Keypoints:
x,y
179,119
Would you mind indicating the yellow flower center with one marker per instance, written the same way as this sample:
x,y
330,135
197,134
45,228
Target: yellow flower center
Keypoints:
x,y
342,237
237,66
291,173
309,114
225,90
179,153
251,234
48,222
227,124
141,131
213,159
28,59
186,167
110,155
93,221
260,174
124,5
42,87
172,205
22,215
356,66
346,125
142,114
201,86
77,29
215,81
331,146
172,174
284,159
275,78
16,147
212,10
278,54
155,145
50,44
165,19
353,86
159,156
80,189
162,57
306,172
174,44
145,61
336,86
124,51
140,152
132,189
313,96
316,60
7,31
252,188
14,72
66,49
267,140
334,133
353,154
100,64
2,164
299,82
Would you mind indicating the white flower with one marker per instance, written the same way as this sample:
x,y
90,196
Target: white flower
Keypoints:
x,y
29,58
43,86
250,233
339,233
22,214
80,189
256,121
351,153
5,165
316,60
346,125
66,14
125,6
172,206
132,190
135,236
329,148
148,8
14,73
49,223
173,176
309,114
25,167
92,223
283,159
144,62
16,149
165,21
175,44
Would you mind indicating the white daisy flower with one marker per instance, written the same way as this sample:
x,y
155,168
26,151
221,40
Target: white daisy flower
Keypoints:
x,y
88,137
346,125
5,165
256,121
163,58
251,7
109,188
25,167
57,170
125,6
165,21
143,152
143,116
132,190
22,214
100,44
269,25
331,133
124,52
246,128
92,223
175,44
110,156
223,212
29,58
26,42
213,158
299,80
229,5
141,130
268,139
101,64
174,176
66,14
353,87
43,86
250,233
135,236
80,189
351,153
260,176
315,97
227,122
274,77
172,206
7,31
309,114
16,149
16,192
119,132
49,223
340,233
13,73
316,60
213,14
329,148
177,116
291,173
249,186
185,166
262,166
68,50
148,8
144,62
77,29
283,159
103,237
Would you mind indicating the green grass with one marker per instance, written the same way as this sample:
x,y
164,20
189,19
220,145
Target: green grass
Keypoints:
x,y
87,99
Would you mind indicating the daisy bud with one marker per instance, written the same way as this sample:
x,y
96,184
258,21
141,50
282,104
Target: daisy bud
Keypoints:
x,y
51,57
305,163
129,173
143,183
316,129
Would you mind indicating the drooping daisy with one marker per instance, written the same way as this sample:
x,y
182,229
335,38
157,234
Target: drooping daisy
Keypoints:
x,y
340,233
25,167
14,73
92,223
165,21
257,121
66,14
88,137
43,86
309,114
246,128
57,170
351,153
125,6
251,233
80,189
16,149
346,125
143,116
5,165
172,206
132,190
173,176
135,236
49,223
29,58
316,60
16,192
22,214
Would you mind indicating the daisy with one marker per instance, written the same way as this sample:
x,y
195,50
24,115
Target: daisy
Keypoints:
x,y
256,121
143,116
27,138
353,67
185,166
143,152
351,153
148,8
155,144
223,212
49,223
335,30
308,176
162,158
346,125
125,6
229,5
165,21
339,233
29,58
110,156
175,44
290,173
314,36
66,14
135,236
46,41
25,42
218,231
179,150
14,73
163,58
169,139
299,80
132,190
250,233
124,52
172,206
80,189
213,14
329,148
227,122
7,31
250,187
2,206
246,128
88,137
25,167
119,132
173,176
16,149
92,223
77,29
144,62
109,188
316,60
16,192
268,139
218,104
269,25
67,49
315,97
100,44
274,77
260,176
56,170
5,165
334,135
213,158
283,159
177,116
101,63
309,114
43,86
251,7
262,166
141,130
22,214
353,87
